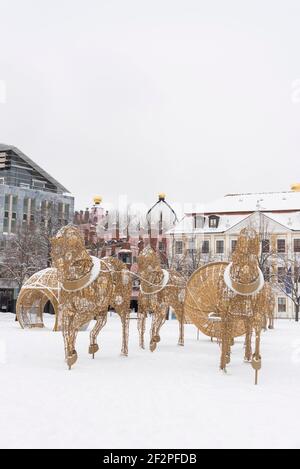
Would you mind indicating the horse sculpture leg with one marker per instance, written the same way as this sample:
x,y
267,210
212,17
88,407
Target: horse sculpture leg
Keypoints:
x,y
181,328
142,327
265,322
125,318
271,321
69,334
159,318
101,321
248,343
226,344
256,359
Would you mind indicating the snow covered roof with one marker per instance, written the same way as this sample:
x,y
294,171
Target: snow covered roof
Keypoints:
x,y
187,225
290,221
249,203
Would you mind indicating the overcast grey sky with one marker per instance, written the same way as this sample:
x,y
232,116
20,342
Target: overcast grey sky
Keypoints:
x,y
191,97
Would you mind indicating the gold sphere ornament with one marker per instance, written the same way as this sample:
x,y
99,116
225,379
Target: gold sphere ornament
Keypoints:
x,y
162,196
97,200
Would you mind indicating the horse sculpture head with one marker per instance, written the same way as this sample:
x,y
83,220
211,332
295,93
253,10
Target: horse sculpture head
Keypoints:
x,y
148,262
69,255
244,275
150,268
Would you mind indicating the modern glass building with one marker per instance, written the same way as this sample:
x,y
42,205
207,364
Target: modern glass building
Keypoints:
x,y
28,195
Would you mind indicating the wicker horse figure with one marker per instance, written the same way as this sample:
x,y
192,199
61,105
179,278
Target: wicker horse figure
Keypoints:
x,y
89,286
247,297
159,290
230,300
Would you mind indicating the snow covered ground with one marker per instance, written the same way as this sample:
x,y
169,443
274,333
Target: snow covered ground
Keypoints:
x,y
174,398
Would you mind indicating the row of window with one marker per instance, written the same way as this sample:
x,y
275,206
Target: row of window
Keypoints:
x,y
213,221
29,212
220,246
281,246
205,249
36,184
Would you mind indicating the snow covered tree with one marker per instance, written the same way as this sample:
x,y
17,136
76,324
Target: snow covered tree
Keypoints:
x,y
23,254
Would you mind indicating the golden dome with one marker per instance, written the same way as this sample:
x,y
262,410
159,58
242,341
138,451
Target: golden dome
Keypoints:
x,y
162,196
97,200
296,187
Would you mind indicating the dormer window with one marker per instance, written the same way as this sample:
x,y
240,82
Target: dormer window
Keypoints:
x,y
214,221
199,222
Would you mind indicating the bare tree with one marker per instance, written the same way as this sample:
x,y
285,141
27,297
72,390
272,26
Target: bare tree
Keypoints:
x,y
288,280
191,259
268,252
23,255
47,227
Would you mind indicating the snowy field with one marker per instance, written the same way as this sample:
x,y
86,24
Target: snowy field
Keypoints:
x,y
174,398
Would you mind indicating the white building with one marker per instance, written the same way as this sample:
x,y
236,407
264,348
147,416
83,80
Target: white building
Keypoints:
x,y
211,235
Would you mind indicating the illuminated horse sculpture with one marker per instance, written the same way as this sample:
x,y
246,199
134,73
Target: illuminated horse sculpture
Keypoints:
x,y
89,286
159,290
234,298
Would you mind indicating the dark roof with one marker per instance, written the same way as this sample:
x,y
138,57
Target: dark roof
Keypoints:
x,y
26,158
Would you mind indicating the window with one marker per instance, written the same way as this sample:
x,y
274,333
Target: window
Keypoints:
x,y
220,247
13,226
5,225
267,274
67,211
192,246
205,247
44,206
6,214
33,206
25,204
266,246
38,184
233,245
281,305
281,246
199,222
296,245
2,181
23,185
178,248
281,274
214,221
161,246
7,202
125,257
